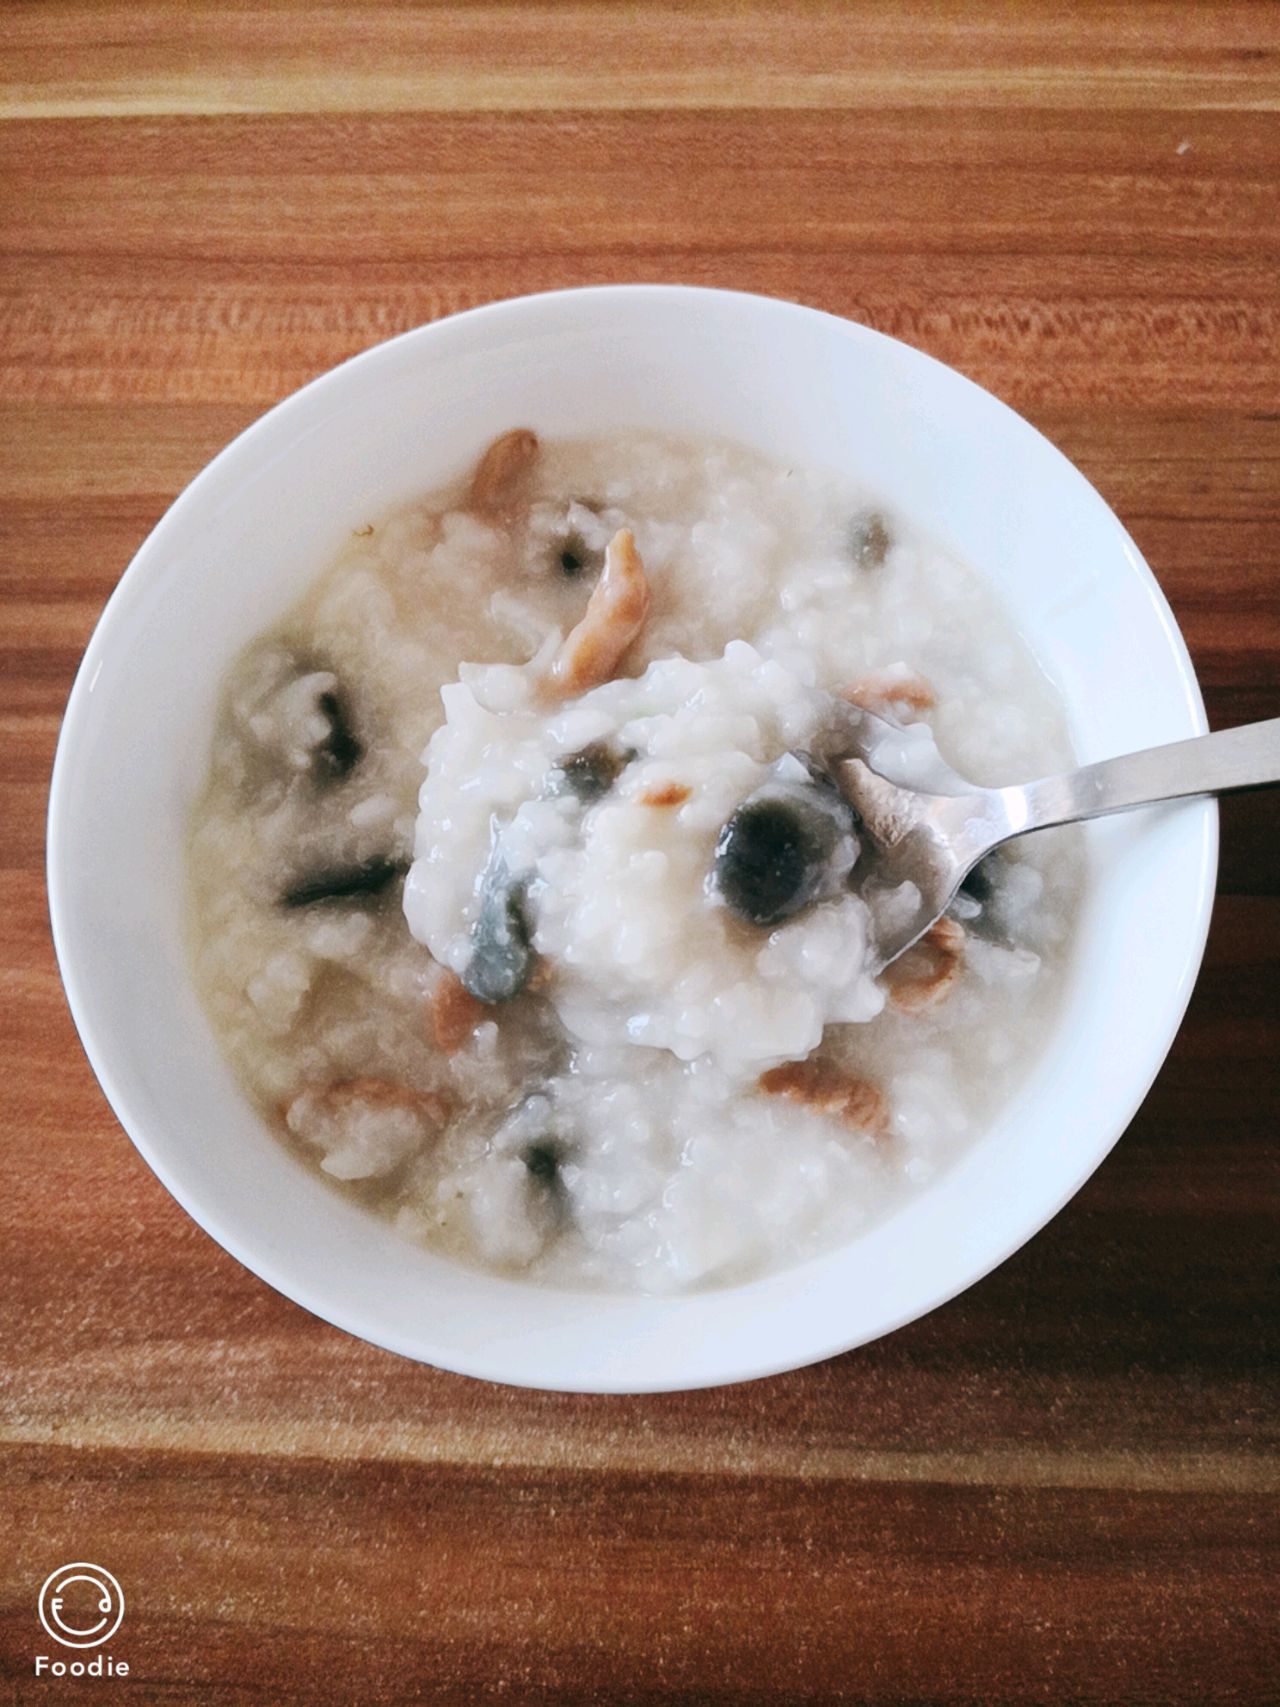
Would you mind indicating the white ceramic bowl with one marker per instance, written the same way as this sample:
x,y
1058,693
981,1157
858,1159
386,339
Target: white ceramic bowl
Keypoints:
x,y
246,537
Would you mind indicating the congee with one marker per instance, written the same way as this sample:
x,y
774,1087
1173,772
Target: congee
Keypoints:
x,y
524,903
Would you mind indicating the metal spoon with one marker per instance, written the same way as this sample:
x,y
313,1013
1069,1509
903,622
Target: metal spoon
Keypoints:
x,y
934,840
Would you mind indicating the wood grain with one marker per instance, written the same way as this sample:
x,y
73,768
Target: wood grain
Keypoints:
x,y
1062,1486
218,56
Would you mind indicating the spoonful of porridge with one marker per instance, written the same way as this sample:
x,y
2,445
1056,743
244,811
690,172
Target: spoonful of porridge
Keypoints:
x,y
722,856
926,844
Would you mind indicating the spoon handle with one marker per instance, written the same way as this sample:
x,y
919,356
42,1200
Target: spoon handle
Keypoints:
x,y
1247,757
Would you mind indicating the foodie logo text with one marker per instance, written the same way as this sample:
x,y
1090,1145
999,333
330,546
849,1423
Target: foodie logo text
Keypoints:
x,y
81,1606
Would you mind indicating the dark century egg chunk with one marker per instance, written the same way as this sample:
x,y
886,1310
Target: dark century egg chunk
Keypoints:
x,y
576,548
980,881
293,720
789,842
529,1135
341,750
591,772
574,557
360,881
543,1162
501,949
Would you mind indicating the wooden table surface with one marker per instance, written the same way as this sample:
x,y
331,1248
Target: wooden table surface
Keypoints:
x,y
1061,1487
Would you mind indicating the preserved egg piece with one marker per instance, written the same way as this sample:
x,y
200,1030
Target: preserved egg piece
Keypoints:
x,y
575,558
529,1133
567,538
341,749
543,1162
523,1181
788,843
591,772
999,899
980,882
292,719
869,539
501,950
768,863
362,881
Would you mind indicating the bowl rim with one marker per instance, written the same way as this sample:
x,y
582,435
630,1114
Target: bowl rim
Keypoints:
x,y
130,586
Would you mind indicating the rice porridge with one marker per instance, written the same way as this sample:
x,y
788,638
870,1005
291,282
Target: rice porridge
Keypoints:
x,y
524,903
